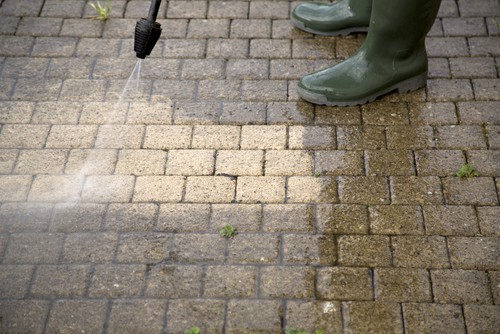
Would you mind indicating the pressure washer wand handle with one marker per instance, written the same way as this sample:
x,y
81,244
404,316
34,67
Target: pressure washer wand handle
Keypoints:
x,y
147,32
154,8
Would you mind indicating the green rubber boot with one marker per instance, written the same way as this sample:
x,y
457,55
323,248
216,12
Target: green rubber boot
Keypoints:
x,y
333,19
393,57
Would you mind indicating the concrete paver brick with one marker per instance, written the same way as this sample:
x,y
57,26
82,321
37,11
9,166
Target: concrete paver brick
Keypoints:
x,y
15,312
444,90
218,90
141,162
197,113
240,162
460,137
216,137
309,249
167,281
489,220
213,189
314,315
24,217
243,113
77,217
184,48
289,113
493,136
83,90
416,190
16,46
108,188
230,282
269,90
133,315
206,314
270,48
495,285
396,220
483,46
473,253
460,287
402,285
288,218
439,162
447,46
470,191
81,28
290,69
24,67
338,163
264,9
69,68
287,282
419,252
182,217
201,28
253,28
190,162
167,137
106,113
117,281
80,315
263,137
486,162
14,187
450,220
344,283
434,318
363,190
68,9
15,280
265,317
16,112
481,318
119,136
9,24
479,112
254,248
56,113
359,138
401,137
364,250
89,247
342,219
60,281
55,47
71,136
156,188
202,69
311,137
260,189
311,189
131,217
474,67
378,317
30,89
244,217
390,162
247,68
198,248
227,48
455,26
145,248
55,188
91,161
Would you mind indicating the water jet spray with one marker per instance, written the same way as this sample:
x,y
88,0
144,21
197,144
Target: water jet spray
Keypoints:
x,y
147,32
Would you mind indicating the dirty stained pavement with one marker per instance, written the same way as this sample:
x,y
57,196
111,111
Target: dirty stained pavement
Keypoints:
x,y
349,220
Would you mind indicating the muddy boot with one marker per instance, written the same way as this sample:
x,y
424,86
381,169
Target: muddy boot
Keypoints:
x,y
339,18
393,57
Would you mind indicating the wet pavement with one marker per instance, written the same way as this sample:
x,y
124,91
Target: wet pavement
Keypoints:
x,y
349,220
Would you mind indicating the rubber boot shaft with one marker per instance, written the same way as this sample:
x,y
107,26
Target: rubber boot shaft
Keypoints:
x,y
332,19
393,57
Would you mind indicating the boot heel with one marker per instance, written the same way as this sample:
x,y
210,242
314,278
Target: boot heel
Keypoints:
x,y
412,84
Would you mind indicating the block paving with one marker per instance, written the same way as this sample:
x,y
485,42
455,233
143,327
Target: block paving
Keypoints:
x,y
113,189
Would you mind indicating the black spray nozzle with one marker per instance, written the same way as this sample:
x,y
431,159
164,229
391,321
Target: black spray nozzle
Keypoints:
x,y
147,32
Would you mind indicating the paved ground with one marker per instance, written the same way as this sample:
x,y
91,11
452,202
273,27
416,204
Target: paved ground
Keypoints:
x,y
350,220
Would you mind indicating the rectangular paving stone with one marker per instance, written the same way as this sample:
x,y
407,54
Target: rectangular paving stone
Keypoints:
x,y
481,318
103,113
290,113
60,281
218,90
16,112
311,189
68,9
16,46
268,90
23,67
239,162
173,89
389,162
198,248
288,162
206,314
216,137
434,318
402,285
403,137
416,190
193,69
134,315
438,162
419,252
263,137
309,249
486,162
470,191
433,113
183,217
473,253
91,161
363,190
108,188
232,10
479,112
190,162
81,27
311,137
15,312
287,282
197,113
55,188
169,281
254,248
493,136
227,48
119,136
14,187
9,24
270,48
56,113
342,219
167,137
376,317
290,68
141,162
344,283
143,248
31,248
89,247
131,217
81,217
230,282
243,113
244,217
451,220
117,281
260,189
210,189
396,220
313,315
69,68
460,287
8,159
364,250
96,47
460,137
83,90
23,136
24,217
71,136
15,280
81,315
265,316
54,46
288,218
360,138
489,220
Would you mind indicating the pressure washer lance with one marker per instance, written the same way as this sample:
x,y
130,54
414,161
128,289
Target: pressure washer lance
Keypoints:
x,y
147,31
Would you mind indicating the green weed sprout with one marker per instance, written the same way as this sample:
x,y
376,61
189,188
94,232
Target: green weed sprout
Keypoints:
x,y
467,170
102,12
193,330
228,231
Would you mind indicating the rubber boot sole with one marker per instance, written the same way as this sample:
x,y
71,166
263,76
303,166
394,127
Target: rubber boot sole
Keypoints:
x,y
404,86
343,32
